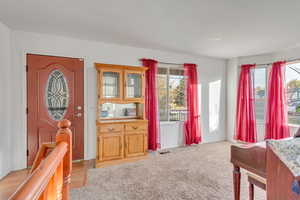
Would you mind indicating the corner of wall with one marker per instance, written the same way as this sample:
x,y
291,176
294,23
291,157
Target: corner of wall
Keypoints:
x,y
231,80
5,85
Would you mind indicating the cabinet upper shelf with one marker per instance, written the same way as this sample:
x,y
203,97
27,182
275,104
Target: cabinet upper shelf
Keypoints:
x,y
120,83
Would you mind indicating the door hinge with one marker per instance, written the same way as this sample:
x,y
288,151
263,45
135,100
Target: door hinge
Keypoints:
x,y
26,68
27,111
27,153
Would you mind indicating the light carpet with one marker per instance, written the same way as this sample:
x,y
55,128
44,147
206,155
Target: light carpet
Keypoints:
x,y
200,172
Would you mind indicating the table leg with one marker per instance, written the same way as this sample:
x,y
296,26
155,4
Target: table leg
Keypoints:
x,y
236,182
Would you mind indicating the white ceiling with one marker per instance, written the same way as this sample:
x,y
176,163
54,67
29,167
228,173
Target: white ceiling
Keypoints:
x,y
218,28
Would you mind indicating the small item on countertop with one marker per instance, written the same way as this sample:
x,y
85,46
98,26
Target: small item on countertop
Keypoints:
x,y
125,112
104,113
296,187
131,112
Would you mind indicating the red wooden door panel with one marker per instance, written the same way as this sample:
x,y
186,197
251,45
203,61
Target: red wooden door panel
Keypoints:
x,y
54,92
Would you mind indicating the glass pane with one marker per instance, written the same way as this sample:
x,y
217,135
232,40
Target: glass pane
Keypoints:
x,y
134,85
162,70
57,95
162,97
177,97
177,72
293,92
112,110
260,77
111,82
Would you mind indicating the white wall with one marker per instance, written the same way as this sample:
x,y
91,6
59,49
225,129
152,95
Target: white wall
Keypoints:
x,y
171,134
5,91
232,70
210,70
232,82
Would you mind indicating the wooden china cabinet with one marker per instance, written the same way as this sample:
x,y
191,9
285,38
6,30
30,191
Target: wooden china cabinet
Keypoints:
x,y
121,123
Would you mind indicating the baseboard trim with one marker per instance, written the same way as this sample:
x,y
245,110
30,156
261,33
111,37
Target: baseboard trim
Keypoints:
x,y
116,162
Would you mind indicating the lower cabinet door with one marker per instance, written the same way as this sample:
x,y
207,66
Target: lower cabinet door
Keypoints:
x,y
135,144
110,146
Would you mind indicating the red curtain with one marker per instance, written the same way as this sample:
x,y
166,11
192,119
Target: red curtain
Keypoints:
x,y
276,116
245,114
151,104
192,128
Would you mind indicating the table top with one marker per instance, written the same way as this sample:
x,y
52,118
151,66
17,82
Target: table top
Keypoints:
x,y
288,151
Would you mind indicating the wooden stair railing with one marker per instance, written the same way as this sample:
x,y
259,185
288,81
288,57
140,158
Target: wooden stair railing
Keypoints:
x,y
50,176
44,150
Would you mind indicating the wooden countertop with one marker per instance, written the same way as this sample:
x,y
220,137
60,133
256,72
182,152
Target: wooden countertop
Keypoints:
x,y
121,121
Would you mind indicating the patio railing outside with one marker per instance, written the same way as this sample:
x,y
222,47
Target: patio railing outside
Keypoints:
x,y
178,115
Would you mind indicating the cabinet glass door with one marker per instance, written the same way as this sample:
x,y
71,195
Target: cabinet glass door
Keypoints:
x,y
111,84
133,85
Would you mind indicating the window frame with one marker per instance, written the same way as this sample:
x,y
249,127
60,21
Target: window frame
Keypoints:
x,y
287,65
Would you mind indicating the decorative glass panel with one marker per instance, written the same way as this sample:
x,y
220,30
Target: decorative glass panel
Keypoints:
x,y
111,84
57,95
134,85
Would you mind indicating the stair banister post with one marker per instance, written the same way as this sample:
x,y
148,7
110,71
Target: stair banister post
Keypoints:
x,y
64,134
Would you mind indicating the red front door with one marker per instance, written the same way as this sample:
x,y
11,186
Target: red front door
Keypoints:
x,y
54,92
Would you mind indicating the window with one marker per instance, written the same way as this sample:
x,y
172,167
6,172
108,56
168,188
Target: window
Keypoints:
x,y
57,95
292,77
171,94
214,105
260,83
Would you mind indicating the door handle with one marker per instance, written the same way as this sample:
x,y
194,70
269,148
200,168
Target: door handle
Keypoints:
x,y
78,115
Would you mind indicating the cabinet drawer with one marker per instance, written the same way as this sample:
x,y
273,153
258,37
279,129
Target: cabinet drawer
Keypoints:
x,y
136,127
110,128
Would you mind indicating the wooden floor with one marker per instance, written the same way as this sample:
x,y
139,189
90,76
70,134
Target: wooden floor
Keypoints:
x,y
9,183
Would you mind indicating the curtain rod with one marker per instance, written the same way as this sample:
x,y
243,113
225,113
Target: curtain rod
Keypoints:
x,y
168,63
261,64
288,61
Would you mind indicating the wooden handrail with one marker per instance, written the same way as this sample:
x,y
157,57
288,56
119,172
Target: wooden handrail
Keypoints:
x,y
37,182
41,154
50,178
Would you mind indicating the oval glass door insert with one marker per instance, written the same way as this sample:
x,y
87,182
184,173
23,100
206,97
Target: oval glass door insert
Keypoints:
x,y
57,95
